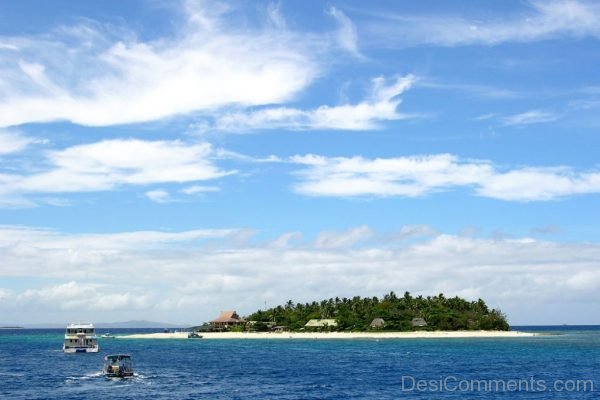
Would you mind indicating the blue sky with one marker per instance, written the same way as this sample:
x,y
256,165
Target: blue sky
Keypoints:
x,y
167,162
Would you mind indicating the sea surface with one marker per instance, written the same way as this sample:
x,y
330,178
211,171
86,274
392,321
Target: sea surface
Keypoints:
x,y
563,363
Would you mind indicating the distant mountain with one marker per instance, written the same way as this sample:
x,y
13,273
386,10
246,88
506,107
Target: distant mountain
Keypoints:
x,y
113,325
139,324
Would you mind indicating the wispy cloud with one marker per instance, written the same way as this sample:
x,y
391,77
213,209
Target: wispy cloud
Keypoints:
x,y
328,240
107,164
416,176
198,272
199,189
159,196
542,20
381,105
346,34
97,75
529,117
472,89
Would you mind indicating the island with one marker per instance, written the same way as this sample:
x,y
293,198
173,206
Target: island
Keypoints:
x,y
391,316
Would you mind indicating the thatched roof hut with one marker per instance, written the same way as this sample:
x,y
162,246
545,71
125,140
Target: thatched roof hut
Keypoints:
x,y
227,319
377,323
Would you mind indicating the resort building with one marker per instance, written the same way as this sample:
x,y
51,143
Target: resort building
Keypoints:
x,y
280,328
321,323
227,319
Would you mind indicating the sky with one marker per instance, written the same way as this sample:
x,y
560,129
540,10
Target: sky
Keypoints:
x,y
169,161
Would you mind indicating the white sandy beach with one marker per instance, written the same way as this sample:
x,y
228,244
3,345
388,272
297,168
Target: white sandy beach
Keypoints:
x,y
336,335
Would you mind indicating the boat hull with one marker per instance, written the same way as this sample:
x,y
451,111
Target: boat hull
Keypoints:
x,y
118,375
81,349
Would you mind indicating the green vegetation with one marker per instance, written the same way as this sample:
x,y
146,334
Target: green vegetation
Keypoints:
x,y
399,313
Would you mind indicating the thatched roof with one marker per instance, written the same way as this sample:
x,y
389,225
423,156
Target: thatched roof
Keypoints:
x,y
320,323
227,317
377,323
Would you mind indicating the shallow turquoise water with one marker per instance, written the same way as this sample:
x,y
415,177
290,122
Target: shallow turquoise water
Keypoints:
x,y
32,366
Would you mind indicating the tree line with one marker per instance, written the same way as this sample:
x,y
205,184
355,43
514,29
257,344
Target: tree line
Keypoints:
x,y
357,313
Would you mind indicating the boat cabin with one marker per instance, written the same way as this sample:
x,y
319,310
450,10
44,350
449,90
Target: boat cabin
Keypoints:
x,y
118,365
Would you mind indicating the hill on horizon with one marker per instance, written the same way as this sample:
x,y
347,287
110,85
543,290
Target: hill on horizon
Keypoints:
x,y
112,325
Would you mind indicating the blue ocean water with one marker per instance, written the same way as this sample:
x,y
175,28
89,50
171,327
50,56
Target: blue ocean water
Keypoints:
x,y
564,363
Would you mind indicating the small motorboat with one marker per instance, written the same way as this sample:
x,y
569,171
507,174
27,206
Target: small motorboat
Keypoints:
x,y
107,335
194,335
118,366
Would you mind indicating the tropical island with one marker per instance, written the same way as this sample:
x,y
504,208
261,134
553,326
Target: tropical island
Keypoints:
x,y
390,313
359,317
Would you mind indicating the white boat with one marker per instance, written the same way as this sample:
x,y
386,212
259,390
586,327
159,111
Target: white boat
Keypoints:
x,y
118,366
80,338
107,335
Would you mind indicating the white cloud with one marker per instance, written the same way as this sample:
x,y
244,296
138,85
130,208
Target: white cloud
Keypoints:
x,y
159,196
285,239
13,141
8,46
544,19
421,175
190,276
275,15
83,297
530,117
412,231
98,75
107,164
346,35
199,189
539,184
328,240
402,176
380,106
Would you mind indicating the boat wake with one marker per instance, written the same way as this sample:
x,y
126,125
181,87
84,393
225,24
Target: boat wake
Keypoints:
x,y
84,377
135,379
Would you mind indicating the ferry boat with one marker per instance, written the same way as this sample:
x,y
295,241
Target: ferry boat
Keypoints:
x,y
118,366
80,338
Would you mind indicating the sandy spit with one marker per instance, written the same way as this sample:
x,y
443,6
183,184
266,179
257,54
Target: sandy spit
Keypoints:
x,y
335,335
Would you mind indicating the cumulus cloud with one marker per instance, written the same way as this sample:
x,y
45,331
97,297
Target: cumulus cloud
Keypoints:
x,y
540,184
99,75
190,276
541,21
107,164
416,176
83,297
381,105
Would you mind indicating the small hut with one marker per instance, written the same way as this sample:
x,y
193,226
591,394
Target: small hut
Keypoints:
x,y
377,323
418,322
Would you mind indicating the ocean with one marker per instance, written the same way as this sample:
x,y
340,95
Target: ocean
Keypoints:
x,y
564,363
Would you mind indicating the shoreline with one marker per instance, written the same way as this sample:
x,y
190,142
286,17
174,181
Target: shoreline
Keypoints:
x,y
335,335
